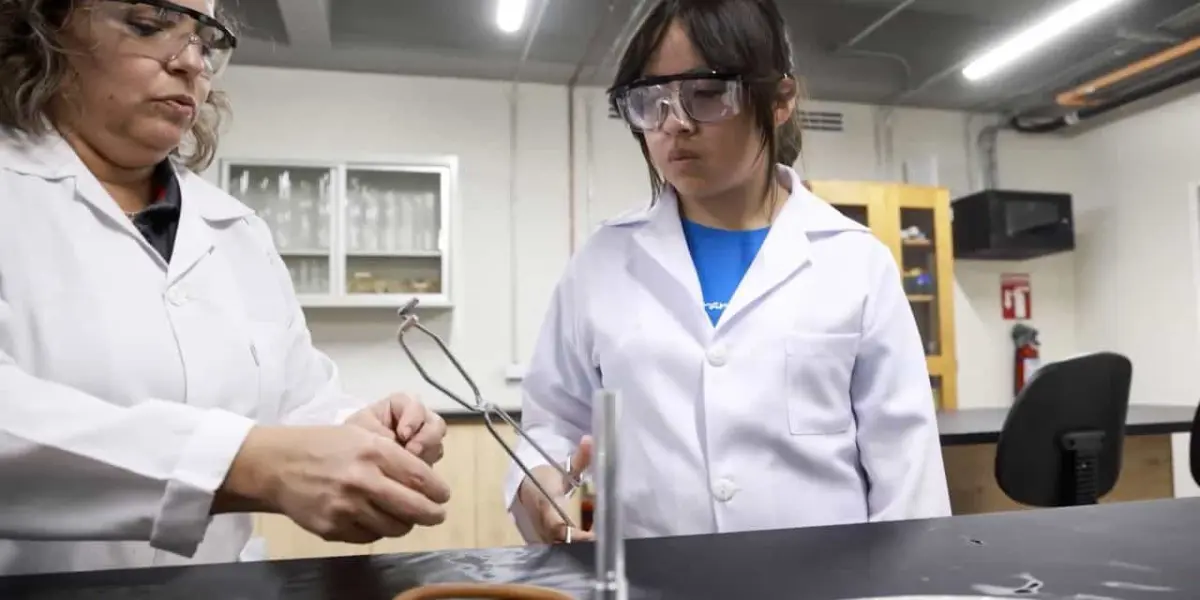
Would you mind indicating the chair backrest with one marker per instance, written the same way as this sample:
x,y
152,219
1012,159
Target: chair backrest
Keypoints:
x,y
1081,398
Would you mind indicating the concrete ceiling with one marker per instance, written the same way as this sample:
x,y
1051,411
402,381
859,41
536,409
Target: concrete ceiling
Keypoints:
x,y
912,59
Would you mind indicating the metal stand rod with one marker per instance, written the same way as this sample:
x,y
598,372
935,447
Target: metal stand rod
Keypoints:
x,y
610,541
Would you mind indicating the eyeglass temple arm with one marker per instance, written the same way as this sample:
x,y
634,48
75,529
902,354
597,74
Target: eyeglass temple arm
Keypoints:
x,y
410,321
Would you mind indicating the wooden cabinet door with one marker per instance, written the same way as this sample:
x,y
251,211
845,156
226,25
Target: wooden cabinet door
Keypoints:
x,y
927,269
494,526
458,469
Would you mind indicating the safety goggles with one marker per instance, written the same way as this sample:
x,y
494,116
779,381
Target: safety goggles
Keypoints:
x,y
163,30
705,97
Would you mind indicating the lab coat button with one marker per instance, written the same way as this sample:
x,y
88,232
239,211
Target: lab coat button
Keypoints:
x,y
716,356
177,296
724,490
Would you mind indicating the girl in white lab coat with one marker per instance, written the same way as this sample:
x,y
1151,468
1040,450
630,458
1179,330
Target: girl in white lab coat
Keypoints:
x,y
769,366
155,367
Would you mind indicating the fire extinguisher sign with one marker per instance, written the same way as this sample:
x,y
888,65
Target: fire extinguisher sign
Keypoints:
x,y
1016,298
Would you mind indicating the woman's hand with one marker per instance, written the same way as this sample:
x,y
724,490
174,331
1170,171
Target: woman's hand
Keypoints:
x,y
547,523
342,483
407,421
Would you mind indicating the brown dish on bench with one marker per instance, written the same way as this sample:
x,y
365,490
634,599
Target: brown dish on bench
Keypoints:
x,y
490,591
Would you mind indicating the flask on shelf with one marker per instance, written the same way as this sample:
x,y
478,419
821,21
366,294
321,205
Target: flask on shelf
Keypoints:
x,y
407,218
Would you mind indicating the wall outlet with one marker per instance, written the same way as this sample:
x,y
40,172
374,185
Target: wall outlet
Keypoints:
x,y
514,373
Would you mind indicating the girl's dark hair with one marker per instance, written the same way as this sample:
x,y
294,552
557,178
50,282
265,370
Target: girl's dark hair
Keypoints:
x,y
34,71
747,37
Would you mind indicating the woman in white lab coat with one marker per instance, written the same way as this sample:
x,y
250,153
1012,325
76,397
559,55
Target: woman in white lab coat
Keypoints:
x,y
769,366
157,378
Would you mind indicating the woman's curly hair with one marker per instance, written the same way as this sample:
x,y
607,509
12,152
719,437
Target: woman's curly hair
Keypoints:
x,y
34,70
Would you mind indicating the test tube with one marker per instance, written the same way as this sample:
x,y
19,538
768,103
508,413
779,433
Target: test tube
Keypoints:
x,y
610,541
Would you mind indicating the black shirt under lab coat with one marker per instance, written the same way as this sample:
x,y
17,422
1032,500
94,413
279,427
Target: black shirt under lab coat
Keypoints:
x,y
159,222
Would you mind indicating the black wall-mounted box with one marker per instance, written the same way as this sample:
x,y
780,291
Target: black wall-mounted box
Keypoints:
x,y
1012,225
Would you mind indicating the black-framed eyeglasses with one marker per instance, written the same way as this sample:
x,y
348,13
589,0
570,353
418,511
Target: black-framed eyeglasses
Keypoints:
x,y
490,411
701,97
162,30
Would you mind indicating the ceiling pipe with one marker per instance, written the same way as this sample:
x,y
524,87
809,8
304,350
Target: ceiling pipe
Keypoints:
x,y
883,117
1055,81
903,62
848,47
513,135
1147,37
880,22
1098,59
1089,112
1078,97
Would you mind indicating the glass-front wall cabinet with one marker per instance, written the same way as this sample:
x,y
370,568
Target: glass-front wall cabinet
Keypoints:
x,y
920,272
355,235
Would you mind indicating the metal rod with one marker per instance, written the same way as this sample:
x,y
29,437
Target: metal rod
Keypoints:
x,y
610,540
880,22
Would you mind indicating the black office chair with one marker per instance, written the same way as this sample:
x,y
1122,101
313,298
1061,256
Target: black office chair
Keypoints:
x,y
1061,441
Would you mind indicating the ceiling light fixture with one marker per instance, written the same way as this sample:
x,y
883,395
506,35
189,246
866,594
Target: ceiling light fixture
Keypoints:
x,y
510,14
1025,42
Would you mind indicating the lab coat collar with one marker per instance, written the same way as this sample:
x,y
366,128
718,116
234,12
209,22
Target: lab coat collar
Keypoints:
x,y
804,219
50,157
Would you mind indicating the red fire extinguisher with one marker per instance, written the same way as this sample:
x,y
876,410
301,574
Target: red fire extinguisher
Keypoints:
x,y
1026,359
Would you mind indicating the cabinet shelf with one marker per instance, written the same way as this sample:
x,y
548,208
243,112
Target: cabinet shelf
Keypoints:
x,y
303,253
356,235
400,254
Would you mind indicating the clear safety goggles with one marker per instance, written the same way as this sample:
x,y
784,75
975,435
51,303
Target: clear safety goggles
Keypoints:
x,y
163,30
691,97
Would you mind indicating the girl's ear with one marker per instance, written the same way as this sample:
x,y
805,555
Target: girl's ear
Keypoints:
x,y
785,100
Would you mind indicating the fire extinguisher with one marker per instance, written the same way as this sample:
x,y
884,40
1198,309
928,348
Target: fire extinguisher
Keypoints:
x,y
1026,358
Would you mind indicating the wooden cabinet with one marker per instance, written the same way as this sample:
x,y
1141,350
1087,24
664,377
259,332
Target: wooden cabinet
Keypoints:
x,y
914,222
475,466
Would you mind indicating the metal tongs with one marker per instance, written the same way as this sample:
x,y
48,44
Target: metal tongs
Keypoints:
x,y
489,411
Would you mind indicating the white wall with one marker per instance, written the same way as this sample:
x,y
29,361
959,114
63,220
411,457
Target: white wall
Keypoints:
x,y
292,114
289,114
1137,273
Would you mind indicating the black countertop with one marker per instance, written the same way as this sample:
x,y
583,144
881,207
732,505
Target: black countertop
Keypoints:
x,y
1124,551
982,425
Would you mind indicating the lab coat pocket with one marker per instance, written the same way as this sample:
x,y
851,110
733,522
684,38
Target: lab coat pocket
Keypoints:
x,y
818,372
269,350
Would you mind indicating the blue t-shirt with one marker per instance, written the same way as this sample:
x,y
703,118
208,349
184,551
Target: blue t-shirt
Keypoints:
x,y
722,258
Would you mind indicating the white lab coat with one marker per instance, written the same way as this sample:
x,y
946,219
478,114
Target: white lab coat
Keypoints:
x,y
808,404
127,385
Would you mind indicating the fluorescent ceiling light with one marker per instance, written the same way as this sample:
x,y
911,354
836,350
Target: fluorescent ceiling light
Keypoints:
x,y
1025,42
510,15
